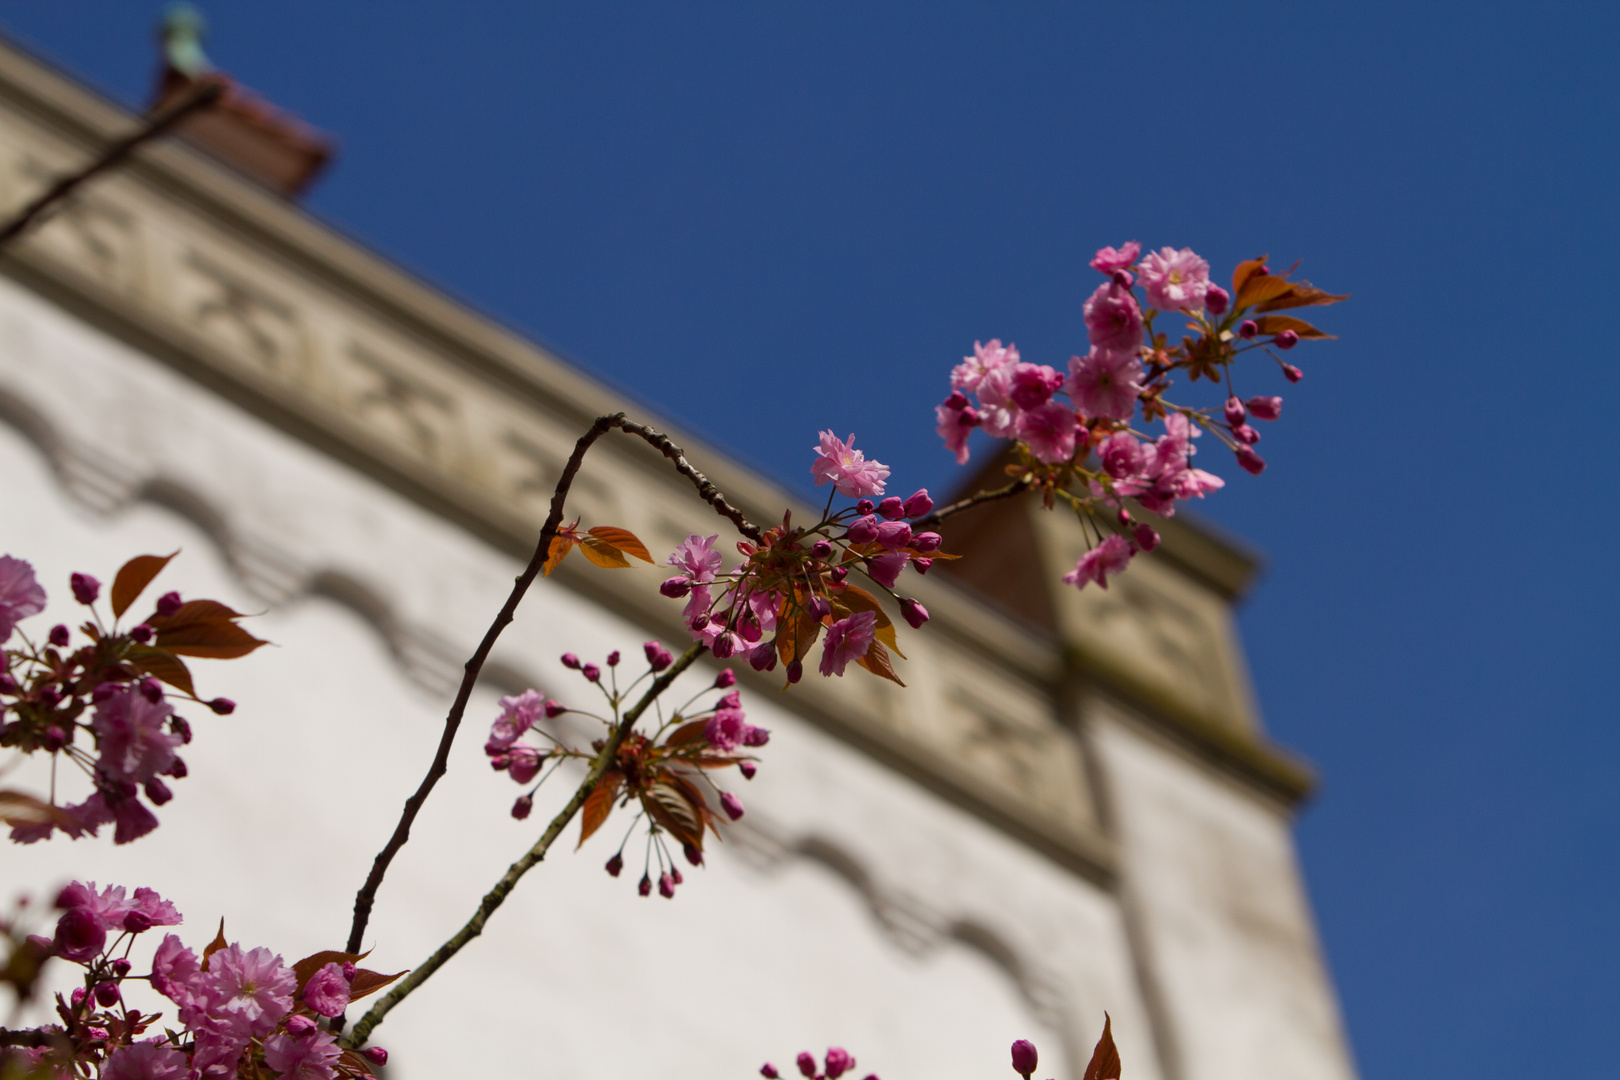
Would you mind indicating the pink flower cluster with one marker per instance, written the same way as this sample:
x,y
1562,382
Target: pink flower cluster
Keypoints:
x,y
836,1063
241,1011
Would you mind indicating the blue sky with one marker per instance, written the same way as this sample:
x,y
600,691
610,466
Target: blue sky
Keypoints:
x,y
826,204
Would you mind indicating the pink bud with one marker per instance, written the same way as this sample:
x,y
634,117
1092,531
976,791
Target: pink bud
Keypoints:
x,y
1124,516
693,853
1024,1058
666,886
151,690
1248,328
1234,411
748,769
914,613
1286,340
141,633
554,709
1265,408
1123,279
921,565
1245,434
107,994
1252,462
821,549
1292,373
60,635
613,658
839,1062
376,1055
591,672
298,1024
837,574
818,606
349,970
158,791
807,1064
675,587
222,706
919,503
892,508
169,603
675,875
863,530
79,994
8,685
768,1071
645,886
795,671
864,507
927,541
85,588
177,768
522,807
615,864
724,646
570,661
1217,300
1146,538
658,658
755,736
894,535
725,680
55,738
957,400
763,657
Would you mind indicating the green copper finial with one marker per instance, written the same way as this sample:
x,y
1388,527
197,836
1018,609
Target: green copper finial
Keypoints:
x,y
183,31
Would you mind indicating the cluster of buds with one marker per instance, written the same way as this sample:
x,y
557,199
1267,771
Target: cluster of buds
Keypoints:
x,y
1072,433
665,774
795,582
837,1062
105,704
241,1012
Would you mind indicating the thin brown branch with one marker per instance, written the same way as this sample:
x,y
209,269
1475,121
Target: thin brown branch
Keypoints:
x,y
503,888
30,1037
110,159
367,896
1017,487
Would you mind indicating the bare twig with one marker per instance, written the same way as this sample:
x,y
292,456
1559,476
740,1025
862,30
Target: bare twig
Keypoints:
x,y
112,158
503,888
1017,487
367,896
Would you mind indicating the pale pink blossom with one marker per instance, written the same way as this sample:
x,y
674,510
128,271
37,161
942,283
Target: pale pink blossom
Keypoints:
x,y
251,990
1109,260
954,426
847,640
146,1061
1109,557
985,359
132,736
216,1056
846,468
1175,280
726,729
1113,320
174,969
998,414
1049,432
312,1056
20,595
1105,383
327,991
697,557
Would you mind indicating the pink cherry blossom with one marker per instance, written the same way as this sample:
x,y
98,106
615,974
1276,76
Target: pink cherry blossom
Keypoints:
x,y
1108,259
312,1056
174,967
998,413
1113,320
725,729
1121,455
1109,557
985,359
327,991
885,569
697,557
1032,385
847,640
251,990
1105,383
954,425
130,731
838,461
1175,280
146,1061
1049,432
20,595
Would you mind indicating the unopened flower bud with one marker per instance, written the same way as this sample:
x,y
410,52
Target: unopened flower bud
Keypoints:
x,y
299,1024
349,970
1292,373
807,1064
957,400
693,853
1245,434
222,706
613,658
555,709
675,587
141,633
921,565
106,994
863,530
645,886
8,685
763,657
55,738
591,672
818,606
78,996
120,967
1024,1058
158,792
894,535
914,613
748,769
1123,279
1234,411
731,805
523,806
919,503
169,603
615,864
768,1071
1248,328
1217,300
85,588
570,661
1146,538
376,1055
177,767
725,680
927,541
181,727
837,574
795,671
1286,340
151,690
1252,462
1265,408
864,507
724,646
839,1062
892,508
821,549
60,636
666,886
658,657
755,736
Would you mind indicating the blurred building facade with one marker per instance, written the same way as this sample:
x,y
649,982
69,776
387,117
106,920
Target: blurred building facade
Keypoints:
x,y
1072,808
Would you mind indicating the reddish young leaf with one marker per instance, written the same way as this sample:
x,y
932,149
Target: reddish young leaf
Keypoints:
x,y
369,982
353,1064
602,553
560,547
21,808
1105,1058
598,805
1302,294
133,578
877,662
214,946
1276,324
203,628
667,806
1245,270
623,539
1262,287
164,666
309,965
692,732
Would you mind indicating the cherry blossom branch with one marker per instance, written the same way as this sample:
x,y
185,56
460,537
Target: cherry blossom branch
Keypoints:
x,y
503,888
1017,487
367,896
28,1037
111,159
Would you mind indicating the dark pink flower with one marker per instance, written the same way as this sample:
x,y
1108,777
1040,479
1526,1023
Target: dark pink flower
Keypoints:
x,y
731,805
85,588
839,1062
1217,300
954,426
1146,538
848,639
863,530
1048,430
1121,454
20,595
80,935
152,908
173,968
146,1061
1175,280
1113,320
1105,383
327,991
1252,462
1108,260
768,1071
914,613
885,569
132,734
658,657
894,535
1033,385
985,359
305,1057
807,1064
837,461
725,729
524,763
919,503
1265,408
697,558
1109,557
